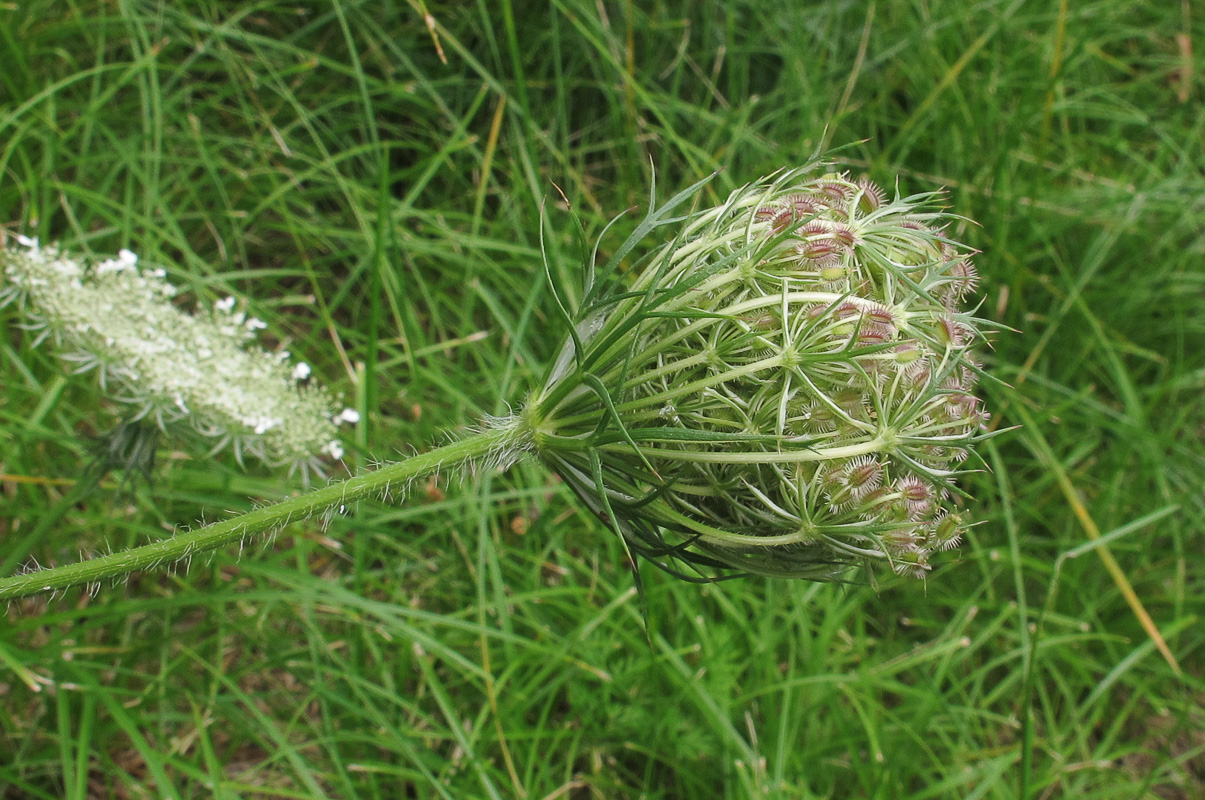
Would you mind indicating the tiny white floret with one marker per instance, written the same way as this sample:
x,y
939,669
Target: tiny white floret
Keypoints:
x,y
264,425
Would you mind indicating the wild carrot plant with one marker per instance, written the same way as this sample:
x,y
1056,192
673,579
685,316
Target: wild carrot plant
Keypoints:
x,y
785,387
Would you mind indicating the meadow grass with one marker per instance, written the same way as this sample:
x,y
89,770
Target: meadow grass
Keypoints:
x,y
374,178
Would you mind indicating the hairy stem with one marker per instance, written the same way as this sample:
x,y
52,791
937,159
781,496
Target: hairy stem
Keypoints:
x,y
501,441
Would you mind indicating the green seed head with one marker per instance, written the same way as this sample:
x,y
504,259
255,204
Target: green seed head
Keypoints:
x,y
787,388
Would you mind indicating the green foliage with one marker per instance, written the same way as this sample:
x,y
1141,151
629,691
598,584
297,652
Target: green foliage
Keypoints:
x,y
373,180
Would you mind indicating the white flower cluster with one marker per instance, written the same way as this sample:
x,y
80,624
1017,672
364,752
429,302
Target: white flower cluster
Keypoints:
x,y
171,366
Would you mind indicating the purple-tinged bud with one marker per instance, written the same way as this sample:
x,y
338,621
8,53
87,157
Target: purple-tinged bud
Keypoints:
x,y
803,206
836,192
917,495
863,474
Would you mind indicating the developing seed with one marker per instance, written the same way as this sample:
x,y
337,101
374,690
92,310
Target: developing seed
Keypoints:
x,y
872,196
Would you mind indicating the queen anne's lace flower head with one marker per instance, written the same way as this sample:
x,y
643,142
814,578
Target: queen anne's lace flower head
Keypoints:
x,y
787,388
118,319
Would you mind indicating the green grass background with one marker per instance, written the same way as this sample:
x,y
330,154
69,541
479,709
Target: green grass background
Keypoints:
x,y
374,176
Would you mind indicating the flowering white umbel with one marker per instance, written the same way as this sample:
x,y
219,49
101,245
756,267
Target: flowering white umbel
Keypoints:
x,y
171,366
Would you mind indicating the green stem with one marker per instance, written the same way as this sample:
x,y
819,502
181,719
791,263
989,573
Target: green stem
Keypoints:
x,y
506,439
